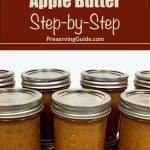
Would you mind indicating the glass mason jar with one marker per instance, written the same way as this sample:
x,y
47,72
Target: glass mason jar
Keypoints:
x,y
20,119
80,119
142,80
112,83
135,120
47,81
6,79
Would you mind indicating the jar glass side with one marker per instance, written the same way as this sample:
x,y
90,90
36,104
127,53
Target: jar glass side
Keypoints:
x,y
114,117
134,133
79,134
47,118
21,133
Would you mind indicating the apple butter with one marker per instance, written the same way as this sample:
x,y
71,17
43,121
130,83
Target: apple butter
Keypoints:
x,y
20,119
80,119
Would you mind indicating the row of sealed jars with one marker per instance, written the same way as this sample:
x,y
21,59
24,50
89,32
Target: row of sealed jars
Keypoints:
x,y
48,81
80,118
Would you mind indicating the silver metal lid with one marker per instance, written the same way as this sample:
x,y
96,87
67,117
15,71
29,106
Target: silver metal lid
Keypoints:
x,y
6,78
106,79
45,78
81,104
18,103
136,104
142,79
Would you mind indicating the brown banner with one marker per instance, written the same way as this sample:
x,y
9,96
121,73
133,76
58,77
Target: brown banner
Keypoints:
x,y
74,25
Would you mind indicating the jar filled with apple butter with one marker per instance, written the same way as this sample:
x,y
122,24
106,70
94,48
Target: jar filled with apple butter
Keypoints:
x,y
112,83
20,119
80,119
142,79
47,81
135,120
6,79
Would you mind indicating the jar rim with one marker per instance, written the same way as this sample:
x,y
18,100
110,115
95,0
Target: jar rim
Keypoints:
x,y
6,78
136,103
19,102
45,78
79,104
105,79
142,79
